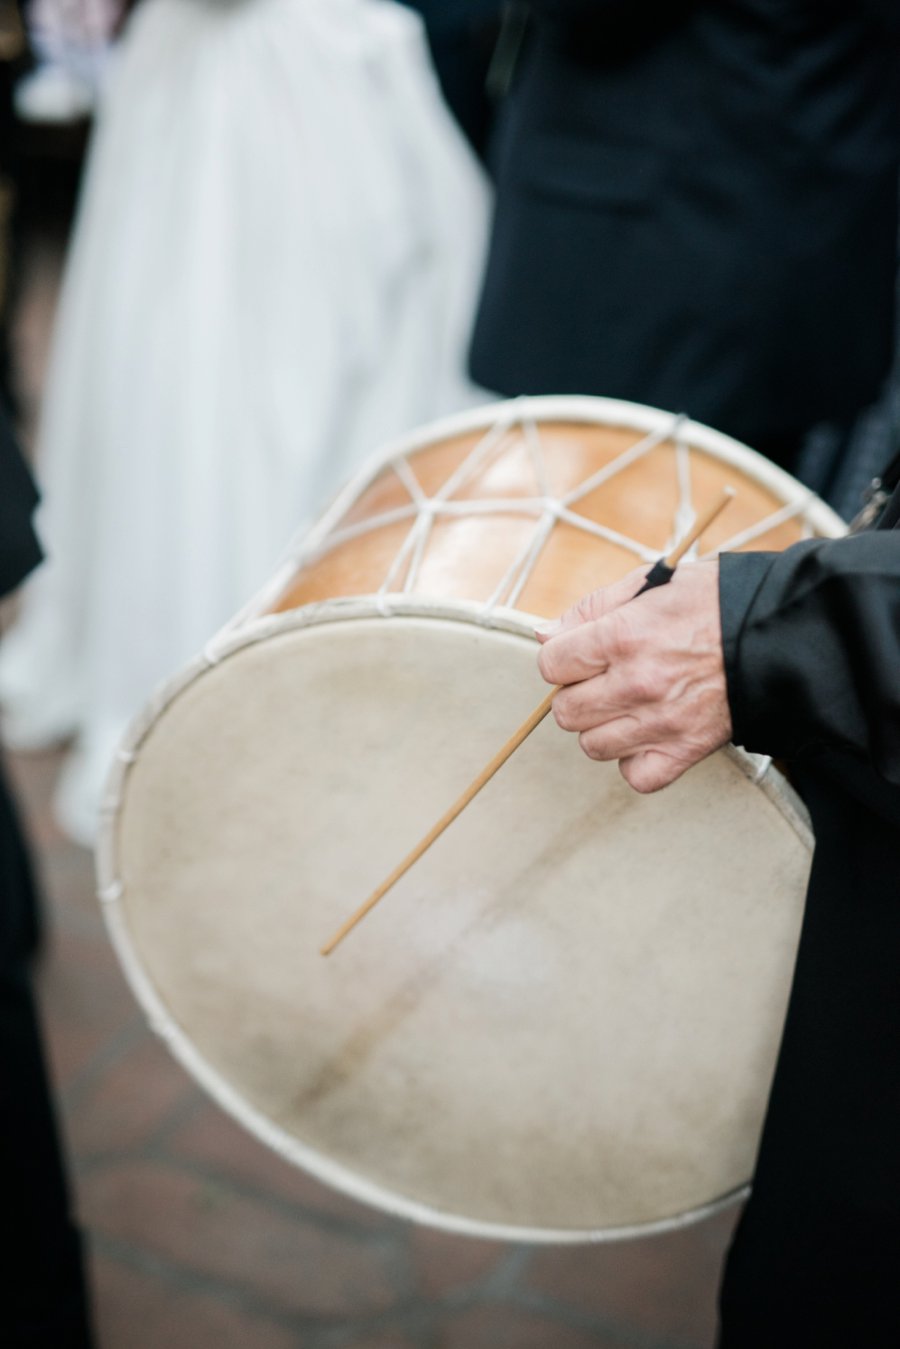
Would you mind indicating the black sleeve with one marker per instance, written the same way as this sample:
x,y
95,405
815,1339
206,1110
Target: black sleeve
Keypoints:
x,y
19,548
812,648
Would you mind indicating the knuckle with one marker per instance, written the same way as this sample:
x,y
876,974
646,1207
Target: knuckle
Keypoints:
x,y
562,712
590,606
646,684
620,638
640,687
668,723
584,745
588,746
596,646
573,710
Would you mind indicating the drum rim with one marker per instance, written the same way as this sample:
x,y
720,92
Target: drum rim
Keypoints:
x,y
110,892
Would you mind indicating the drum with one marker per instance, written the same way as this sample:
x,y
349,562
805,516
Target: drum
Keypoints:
x,y
562,1022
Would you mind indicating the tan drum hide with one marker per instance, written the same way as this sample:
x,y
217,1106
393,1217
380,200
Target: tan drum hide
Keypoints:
x,y
562,1022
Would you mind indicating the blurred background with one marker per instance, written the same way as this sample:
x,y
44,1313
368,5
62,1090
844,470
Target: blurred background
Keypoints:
x,y
324,175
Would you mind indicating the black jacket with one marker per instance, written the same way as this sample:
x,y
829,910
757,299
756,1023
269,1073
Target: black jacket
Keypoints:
x,y
19,552
812,650
44,1291
812,646
19,548
697,209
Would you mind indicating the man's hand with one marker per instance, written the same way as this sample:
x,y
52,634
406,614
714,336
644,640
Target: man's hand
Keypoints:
x,y
645,681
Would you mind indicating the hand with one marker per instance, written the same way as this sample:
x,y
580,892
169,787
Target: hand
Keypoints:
x,y
644,681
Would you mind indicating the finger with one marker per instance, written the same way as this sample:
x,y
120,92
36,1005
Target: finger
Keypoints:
x,y
595,605
574,656
618,739
649,770
590,650
622,689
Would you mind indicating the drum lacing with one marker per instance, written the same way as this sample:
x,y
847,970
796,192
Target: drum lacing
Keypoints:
x,y
423,511
778,517
553,510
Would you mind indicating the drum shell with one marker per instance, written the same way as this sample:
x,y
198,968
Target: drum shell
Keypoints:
x,y
164,918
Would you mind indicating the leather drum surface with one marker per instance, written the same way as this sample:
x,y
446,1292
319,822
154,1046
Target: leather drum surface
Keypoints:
x,y
564,1018
599,496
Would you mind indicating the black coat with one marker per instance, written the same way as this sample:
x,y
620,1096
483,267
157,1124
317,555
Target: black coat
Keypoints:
x,y
19,553
44,1297
697,209
19,548
812,644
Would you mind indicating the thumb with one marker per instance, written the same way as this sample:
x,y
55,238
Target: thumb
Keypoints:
x,y
595,605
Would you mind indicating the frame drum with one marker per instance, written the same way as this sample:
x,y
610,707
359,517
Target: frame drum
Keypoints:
x,y
562,1022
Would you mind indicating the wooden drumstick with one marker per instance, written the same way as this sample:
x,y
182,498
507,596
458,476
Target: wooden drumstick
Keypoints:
x,y
659,574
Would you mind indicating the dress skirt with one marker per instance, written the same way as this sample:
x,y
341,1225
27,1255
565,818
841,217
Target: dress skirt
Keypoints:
x,y
274,269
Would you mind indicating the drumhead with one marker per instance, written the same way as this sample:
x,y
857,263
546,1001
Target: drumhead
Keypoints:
x,y
532,502
560,1025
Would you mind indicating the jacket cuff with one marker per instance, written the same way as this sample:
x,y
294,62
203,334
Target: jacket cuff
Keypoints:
x,y
740,577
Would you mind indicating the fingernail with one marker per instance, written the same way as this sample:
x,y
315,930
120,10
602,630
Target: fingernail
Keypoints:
x,y
547,629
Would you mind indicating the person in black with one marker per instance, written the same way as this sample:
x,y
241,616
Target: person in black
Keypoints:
x,y
462,36
43,1298
697,210
794,654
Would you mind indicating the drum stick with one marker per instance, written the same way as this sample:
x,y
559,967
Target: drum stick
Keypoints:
x,y
660,574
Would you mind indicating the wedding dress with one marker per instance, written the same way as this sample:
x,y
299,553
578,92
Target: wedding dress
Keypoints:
x,y
274,269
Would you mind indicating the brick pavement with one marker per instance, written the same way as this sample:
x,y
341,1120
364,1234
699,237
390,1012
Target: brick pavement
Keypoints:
x,y
200,1238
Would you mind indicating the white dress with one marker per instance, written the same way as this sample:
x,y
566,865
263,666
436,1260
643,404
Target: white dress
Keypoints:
x,y
274,269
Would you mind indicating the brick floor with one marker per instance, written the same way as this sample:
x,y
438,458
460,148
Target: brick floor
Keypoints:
x,y
145,1309
199,1236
